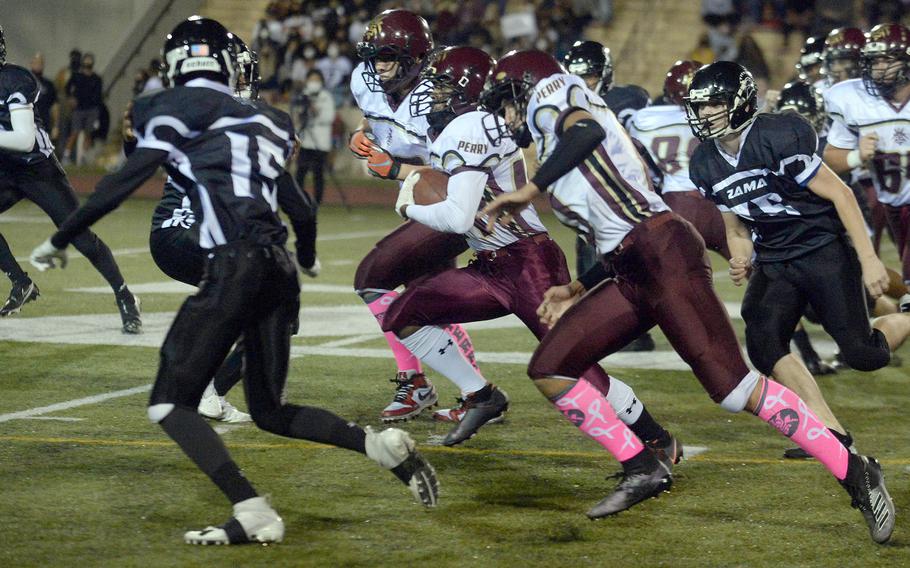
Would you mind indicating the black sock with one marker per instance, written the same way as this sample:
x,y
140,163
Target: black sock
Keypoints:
x,y
230,372
845,439
9,265
641,462
101,258
648,430
202,445
319,425
483,394
801,339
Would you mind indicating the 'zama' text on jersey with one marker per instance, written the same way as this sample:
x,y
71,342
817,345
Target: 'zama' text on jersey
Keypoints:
x,y
20,89
765,186
609,193
668,139
464,145
227,153
855,113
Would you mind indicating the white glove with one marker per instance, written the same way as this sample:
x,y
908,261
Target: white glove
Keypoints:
x,y
406,193
45,254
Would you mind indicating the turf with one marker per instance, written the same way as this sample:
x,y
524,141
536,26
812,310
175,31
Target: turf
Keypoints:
x,y
104,487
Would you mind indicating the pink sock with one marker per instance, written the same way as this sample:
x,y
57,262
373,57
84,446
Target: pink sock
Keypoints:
x,y
403,358
782,408
587,408
463,341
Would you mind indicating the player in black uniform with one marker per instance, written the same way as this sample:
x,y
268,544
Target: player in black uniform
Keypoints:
x,y
780,202
30,171
174,241
593,62
228,154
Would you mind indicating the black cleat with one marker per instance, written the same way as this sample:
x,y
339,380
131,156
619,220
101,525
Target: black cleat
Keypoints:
x,y
865,483
477,413
129,313
669,453
643,342
633,489
820,368
20,295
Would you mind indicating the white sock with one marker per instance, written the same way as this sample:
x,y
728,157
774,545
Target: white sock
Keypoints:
x,y
433,346
623,401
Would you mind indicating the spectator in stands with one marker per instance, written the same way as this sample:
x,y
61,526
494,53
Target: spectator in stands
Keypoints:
x,y
85,89
314,113
721,18
301,63
336,68
65,114
878,11
46,107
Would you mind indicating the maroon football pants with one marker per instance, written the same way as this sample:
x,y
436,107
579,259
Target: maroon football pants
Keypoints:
x,y
510,281
899,220
664,279
406,254
704,216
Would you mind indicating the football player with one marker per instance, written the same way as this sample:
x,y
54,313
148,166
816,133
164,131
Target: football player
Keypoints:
x,y
796,233
809,66
514,265
661,278
394,48
31,171
871,126
227,154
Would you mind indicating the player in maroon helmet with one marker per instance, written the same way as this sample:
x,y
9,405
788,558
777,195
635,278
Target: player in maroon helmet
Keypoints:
x,y
842,54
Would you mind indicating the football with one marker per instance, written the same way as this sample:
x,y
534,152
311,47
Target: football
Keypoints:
x,y
432,187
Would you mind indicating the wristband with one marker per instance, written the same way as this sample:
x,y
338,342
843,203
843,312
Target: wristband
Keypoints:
x,y
853,159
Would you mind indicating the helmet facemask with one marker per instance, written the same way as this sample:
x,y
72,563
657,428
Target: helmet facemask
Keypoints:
x,y
439,98
738,110
495,99
884,74
403,75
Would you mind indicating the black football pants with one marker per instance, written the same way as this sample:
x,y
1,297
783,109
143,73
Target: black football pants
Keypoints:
x,y
830,280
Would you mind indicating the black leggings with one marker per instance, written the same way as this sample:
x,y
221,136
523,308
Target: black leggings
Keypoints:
x,y
830,280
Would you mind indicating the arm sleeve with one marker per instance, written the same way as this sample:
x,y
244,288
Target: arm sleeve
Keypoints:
x,y
797,156
573,148
22,137
455,214
110,192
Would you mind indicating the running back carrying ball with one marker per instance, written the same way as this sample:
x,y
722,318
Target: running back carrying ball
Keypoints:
x,y
432,187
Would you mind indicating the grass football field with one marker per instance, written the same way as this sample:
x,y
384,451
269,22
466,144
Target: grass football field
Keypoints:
x,y
87,480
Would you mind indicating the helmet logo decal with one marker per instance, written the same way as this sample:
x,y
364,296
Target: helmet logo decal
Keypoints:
x,y
199,50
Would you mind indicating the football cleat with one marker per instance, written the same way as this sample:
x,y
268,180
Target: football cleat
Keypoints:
x,y
19,295
314,270
394,450
254,520
413,395
904,303
456,413
632,489
128,304
865,483
477,413
819,368
668,453
643,342
217,408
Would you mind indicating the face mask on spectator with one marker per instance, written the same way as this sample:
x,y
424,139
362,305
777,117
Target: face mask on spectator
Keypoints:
x,y
332,51
309,53
313,86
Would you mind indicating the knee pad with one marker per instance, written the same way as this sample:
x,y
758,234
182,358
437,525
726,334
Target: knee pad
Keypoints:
x,y
623,400
737,399
158,412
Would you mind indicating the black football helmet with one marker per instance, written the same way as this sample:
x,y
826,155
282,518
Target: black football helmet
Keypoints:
x,y
805,100
588,58
725,84
200,48
811,57
248,78
2,48
886,60
511,82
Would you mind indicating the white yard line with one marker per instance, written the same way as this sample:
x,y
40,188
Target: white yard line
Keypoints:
x,y
38,411
348,341
58,418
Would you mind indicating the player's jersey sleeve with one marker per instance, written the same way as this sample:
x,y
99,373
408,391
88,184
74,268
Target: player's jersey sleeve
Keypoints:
x,y
840,134
19,87
790,147
162,122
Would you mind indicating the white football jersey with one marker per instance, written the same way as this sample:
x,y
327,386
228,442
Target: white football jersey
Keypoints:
x,y
400,134
464,145
666,135
856,113
610,191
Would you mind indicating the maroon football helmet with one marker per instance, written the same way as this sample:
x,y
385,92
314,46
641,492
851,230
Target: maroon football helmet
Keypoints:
x,y
451,84
511,81
843,50
886,59
395,35
676,85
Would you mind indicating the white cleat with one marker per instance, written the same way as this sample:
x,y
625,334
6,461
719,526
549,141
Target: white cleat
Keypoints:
x,y
312,271
254,520
217,408
394,450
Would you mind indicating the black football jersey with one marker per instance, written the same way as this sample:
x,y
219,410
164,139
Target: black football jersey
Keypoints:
x,y
19,88
175,210
226,152
765,186
624,100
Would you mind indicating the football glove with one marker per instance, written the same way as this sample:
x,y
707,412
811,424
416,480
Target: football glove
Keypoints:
x,y
406,193
360,145
381,164
45,256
